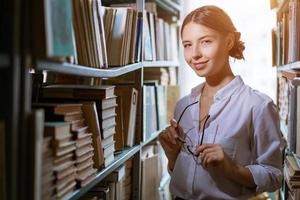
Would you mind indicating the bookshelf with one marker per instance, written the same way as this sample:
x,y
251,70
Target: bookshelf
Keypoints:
x,y
286,59
19,175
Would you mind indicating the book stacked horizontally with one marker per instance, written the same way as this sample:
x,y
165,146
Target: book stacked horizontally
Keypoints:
x,y
63,147
78,140
292,176
103,112
48,178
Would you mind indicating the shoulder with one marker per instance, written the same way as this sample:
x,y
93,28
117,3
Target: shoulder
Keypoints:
x,y
256,100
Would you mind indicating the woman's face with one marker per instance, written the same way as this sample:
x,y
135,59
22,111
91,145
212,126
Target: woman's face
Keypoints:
x,y
205,50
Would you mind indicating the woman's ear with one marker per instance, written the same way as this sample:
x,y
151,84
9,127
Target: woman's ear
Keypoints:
x,y
230,41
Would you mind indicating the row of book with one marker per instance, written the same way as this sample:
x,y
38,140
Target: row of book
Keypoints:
x,y
286,37
292,177
86,33
116,108
158,103
116,186
289,109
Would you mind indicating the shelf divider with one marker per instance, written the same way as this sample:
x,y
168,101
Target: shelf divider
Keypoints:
x,y
160,64
73,69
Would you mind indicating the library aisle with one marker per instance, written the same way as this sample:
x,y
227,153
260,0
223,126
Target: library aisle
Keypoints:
x,y
88,85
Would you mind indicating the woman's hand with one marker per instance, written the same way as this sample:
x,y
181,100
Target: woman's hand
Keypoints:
x,y
170,143
214,156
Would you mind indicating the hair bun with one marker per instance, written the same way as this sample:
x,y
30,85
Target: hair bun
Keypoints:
x,y
238,47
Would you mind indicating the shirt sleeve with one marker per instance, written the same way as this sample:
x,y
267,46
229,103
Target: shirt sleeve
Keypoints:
x,y
266,167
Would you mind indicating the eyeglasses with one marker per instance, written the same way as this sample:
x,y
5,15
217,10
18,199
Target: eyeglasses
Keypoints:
x,y
187,142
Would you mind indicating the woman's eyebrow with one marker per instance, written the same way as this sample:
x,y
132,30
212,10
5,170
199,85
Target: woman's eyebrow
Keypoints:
x,y
201,38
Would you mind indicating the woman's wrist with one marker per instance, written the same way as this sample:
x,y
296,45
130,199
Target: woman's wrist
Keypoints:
x,y
171,163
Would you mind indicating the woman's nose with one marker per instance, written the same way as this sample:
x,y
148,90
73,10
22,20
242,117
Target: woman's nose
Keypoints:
x,y
196,52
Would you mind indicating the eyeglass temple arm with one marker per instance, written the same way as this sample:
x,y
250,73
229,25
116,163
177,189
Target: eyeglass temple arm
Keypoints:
x,y
181,140
185,110
204,129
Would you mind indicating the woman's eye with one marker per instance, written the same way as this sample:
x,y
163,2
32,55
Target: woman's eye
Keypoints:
x,y
205,42
187,45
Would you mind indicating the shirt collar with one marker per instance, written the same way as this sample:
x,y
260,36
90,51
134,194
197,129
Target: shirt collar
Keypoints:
x,y
222,93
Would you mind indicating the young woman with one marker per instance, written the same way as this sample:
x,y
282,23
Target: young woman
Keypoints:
x,y
224,142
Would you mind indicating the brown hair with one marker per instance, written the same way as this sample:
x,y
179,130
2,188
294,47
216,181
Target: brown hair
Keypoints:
x,y
217,19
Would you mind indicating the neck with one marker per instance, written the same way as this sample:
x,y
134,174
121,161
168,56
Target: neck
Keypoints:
x,y
217,81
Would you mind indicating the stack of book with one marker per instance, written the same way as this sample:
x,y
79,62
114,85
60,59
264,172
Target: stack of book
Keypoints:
x,y
103,113
292,176
160,74
48,178
79,139
64,164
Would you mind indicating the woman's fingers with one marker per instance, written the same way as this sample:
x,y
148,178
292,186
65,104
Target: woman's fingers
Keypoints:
x,y
201,148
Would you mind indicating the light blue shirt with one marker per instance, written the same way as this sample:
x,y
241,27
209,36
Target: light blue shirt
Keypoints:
x,y
245,123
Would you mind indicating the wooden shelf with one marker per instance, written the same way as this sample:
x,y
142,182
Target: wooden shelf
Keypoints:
x,y
169,6
79,70
119,159
160,64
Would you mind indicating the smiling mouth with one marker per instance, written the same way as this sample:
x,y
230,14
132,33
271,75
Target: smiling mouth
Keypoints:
x,y
199,65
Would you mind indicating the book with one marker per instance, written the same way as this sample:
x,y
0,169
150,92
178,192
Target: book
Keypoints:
x,y
108,160
150,115
58,28
107,103
91,116
58,130
150,177
87,180
117,39
83,165
58,160
108,131
83,150
84,141
59,109
108,122
107,113
60,151
85,156
78,91
117,175
129,100
37,127
173,94
86,173
161,106
108,140
109,149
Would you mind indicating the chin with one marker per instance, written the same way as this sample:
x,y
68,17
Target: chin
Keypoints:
x,y
201,73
